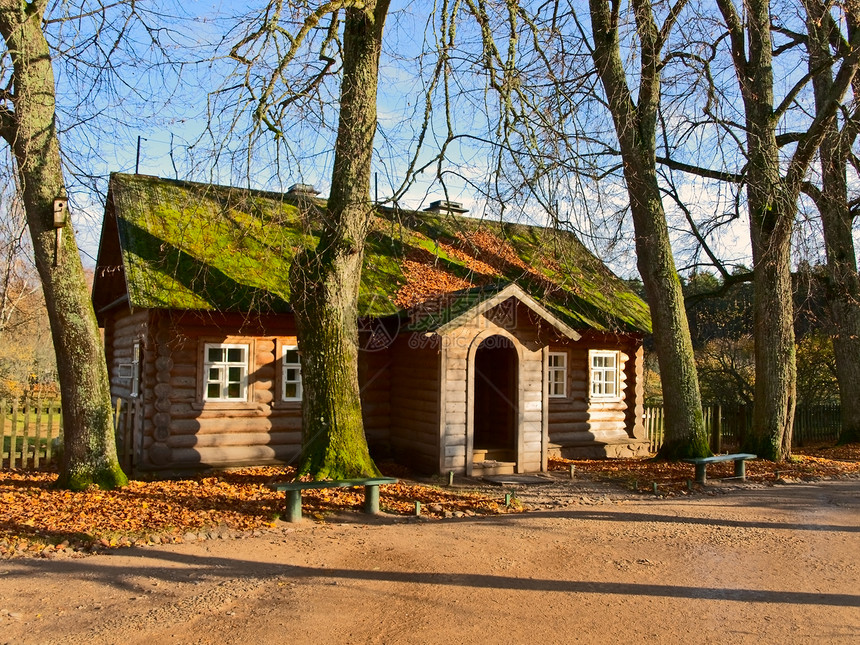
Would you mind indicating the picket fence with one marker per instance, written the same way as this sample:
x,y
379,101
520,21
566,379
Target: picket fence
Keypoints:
x,y
32,433
728,425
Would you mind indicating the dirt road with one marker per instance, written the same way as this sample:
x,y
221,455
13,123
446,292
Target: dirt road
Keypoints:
x,y
764,565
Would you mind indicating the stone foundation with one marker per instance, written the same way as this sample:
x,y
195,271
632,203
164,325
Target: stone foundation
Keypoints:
x,y
626,449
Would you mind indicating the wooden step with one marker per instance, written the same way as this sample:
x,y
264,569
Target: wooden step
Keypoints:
x,y
492,454
493,467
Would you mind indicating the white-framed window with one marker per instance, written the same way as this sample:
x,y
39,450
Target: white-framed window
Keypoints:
x,y
225,369
604,374
135,369
131,371
291,374
557,374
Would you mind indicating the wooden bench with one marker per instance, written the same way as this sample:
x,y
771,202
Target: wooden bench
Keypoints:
x,y
702,463
294,493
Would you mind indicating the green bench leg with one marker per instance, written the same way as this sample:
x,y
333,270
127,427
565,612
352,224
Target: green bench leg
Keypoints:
x,y
701,477
294,505
741,469
371,499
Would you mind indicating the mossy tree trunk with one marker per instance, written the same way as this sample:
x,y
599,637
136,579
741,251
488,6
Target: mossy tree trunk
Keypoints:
x,y
772,200
635,125
324,281
28,123
836,217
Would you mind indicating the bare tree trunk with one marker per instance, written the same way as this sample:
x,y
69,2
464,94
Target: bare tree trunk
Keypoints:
x,y
30,129
635,125
325,281
772,199
837,220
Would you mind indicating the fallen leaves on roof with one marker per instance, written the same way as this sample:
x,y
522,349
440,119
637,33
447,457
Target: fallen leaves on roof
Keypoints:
x,y
424,282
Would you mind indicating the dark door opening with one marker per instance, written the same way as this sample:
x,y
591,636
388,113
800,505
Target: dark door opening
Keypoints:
x,y
496,399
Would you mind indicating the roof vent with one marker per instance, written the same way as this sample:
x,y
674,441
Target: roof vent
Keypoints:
x,y
441,206
302,190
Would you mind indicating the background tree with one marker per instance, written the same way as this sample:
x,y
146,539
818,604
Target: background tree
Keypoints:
x,y
825,42
772,191
636,128
28,123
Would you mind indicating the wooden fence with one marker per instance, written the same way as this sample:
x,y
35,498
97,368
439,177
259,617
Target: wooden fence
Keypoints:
x,y
127,413
32,433
727,425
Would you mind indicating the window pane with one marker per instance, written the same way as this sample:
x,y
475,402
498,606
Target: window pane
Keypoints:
x,y
213,391
291,391
234,374
215,355
291,356
236,355
234,391
214,373
292,375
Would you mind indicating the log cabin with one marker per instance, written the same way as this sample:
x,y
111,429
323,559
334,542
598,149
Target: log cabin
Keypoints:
x,y
485,346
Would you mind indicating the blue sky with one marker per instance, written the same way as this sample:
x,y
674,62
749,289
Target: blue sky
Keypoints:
x,y
192,133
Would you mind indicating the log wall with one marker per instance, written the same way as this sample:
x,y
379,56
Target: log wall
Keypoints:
x,y
578,421
180,431
415,399
374,375
186,432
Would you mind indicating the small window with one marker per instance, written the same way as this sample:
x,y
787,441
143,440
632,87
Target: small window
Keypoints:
x,y
291,374
135,369
131,371
226,372
604,374
557,374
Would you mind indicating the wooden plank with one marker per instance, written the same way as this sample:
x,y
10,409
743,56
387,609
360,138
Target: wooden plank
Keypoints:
x,y
455,429
4,412
605,415
245,439
452,376
401,394
38,437
431,407
13,443
415,420
455,407
560,418
402,444
226,425
49,448
25,444
455,451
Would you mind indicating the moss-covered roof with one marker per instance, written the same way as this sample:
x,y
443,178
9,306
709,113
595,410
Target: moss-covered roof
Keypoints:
x,y
197,246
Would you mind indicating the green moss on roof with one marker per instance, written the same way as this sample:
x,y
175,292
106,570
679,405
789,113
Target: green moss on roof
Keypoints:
x,y
197,246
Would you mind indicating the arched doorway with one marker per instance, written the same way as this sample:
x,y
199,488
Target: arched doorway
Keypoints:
x,y
496,401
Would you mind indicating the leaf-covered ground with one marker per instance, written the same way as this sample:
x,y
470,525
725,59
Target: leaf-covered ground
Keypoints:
x,y
36,518
806,464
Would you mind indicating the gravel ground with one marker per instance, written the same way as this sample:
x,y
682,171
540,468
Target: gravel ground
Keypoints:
x,y
593,563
